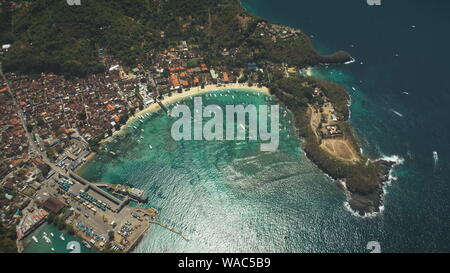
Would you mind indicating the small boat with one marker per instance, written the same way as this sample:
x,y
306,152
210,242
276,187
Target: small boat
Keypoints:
x,y
242,126
435,157
53,249
47,240
150,146
62,237
51,234
34,239
86,244
354,89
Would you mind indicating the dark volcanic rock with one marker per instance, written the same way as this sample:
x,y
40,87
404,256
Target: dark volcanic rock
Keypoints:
x,y
370,203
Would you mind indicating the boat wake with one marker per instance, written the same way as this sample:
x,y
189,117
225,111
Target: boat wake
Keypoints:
x,y
351,61
397,113
435,158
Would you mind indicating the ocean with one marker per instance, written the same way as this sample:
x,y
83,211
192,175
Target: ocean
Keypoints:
x,y
228,196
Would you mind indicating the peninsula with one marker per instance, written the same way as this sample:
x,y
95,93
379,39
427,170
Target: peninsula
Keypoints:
x,y
73,76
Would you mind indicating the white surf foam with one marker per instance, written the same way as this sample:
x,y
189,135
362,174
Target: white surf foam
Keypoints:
x,y
397,160
351,61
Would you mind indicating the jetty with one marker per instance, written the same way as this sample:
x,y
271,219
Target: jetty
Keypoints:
x,y
115,204
162,106
169,228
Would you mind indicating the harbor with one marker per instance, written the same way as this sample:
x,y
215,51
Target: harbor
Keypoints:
x,y
36,243
99,218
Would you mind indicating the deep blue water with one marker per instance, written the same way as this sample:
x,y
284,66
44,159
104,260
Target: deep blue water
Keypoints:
x,y
400,46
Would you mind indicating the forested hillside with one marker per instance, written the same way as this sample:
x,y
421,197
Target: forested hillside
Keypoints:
x,y
51,36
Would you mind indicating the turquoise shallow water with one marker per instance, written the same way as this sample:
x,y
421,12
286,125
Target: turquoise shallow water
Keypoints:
x,y
230,196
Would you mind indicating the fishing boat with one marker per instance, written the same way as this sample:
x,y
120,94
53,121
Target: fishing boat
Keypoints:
x,y
62,237
86,244
34,239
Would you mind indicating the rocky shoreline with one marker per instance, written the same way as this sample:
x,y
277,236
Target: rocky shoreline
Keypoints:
x,y
367,204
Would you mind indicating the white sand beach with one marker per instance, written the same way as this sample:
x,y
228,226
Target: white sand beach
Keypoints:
x,y
179,96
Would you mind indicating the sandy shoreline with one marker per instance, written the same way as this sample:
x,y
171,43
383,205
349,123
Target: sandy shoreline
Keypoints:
x,y
86,160
179,96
